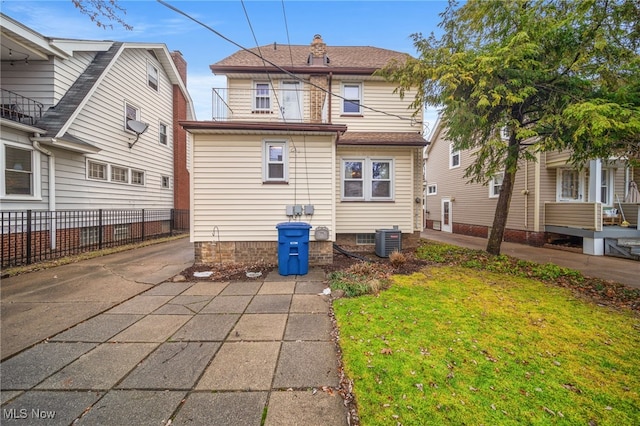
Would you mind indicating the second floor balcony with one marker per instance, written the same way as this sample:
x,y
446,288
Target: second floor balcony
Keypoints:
x,y
18,108
288,104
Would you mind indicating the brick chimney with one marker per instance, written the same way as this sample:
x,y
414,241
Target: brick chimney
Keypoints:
x,y
318,51
181,65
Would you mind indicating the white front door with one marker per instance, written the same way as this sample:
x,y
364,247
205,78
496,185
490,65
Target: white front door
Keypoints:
x,y
291,101
446,215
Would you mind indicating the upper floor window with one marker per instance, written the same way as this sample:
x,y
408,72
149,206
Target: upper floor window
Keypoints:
x,y
432,189
152,76
367,179
352,98
262,97
275,161
495,185
131,112
454,157
21,167
163,139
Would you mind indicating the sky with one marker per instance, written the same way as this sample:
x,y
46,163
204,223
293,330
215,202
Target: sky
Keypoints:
x,y
386,24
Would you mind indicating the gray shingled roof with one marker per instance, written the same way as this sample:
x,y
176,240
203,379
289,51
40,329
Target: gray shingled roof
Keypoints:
x,y
382,139
296,56
54,119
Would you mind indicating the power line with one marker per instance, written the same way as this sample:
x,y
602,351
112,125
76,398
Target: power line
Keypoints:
x,y
278,67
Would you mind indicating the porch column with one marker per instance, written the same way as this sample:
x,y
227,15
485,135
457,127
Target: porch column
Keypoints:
x,y
594,246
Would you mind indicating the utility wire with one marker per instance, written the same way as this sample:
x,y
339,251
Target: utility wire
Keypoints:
x,y
278,67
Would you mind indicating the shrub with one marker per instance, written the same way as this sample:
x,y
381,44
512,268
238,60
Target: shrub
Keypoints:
x,y
397,259
361,278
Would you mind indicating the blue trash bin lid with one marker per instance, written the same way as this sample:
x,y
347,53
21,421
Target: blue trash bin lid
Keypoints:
x,y
293,225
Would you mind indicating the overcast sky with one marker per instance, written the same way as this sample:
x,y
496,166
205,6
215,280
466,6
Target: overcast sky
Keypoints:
x,y
385,24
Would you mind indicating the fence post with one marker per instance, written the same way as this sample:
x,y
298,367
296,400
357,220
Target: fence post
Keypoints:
x,y
100,230
142,224
172,222
29,237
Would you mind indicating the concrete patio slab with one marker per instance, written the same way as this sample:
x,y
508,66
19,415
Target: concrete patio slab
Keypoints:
x,y
310,287
140,305
48,407
133,407
152,328
32,366
100,368
242,288
309,303
295,408
207,327
174,365
241,366
169,289
193,303
222,409
272,303
306,365
259,327
97,329
227,305
277,287
206,288
316,327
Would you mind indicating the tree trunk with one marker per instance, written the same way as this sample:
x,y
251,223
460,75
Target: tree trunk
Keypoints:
x,y
504,199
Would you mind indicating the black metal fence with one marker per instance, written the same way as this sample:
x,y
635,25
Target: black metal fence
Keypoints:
x,y
33,236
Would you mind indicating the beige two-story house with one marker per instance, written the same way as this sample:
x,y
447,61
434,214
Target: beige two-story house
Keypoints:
x,y
304,133
552,201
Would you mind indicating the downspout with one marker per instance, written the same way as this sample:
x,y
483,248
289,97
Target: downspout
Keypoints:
x,y
330,91
52,188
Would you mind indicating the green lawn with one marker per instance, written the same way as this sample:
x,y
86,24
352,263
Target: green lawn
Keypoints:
x,y
464,346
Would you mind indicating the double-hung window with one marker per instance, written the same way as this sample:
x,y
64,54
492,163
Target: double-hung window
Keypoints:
x,y
367,179
454,157
163,139
352,98
20,174
495,185
131,112
262,97
152,76
275,161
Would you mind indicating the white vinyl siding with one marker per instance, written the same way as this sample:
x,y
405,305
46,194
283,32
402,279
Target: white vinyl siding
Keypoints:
x,y
247,209
100,122
365,217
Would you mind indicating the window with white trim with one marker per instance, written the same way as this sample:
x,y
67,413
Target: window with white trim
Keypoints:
x,y
119,174
606,187
21,166
570,185
137,177
495,185
162,136
275,162
96,170
432,189
367,179
262,97
165,182
131,112
152,76
454,157
352,98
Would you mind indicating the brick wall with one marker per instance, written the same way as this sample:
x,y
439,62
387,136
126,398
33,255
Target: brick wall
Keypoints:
x,y
510,235
180,172
320,252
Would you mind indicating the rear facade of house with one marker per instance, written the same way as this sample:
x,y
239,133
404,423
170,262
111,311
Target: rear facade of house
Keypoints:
x,y
309,135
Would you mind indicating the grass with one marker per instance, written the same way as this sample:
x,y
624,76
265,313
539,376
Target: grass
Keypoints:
x,y
487,345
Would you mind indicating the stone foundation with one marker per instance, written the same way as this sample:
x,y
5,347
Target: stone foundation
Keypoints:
x,y
320,252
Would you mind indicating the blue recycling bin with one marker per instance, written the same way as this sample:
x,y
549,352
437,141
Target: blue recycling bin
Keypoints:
x,y
293,248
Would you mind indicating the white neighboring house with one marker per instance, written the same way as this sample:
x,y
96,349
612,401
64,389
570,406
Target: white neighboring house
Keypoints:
x,y
67,143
